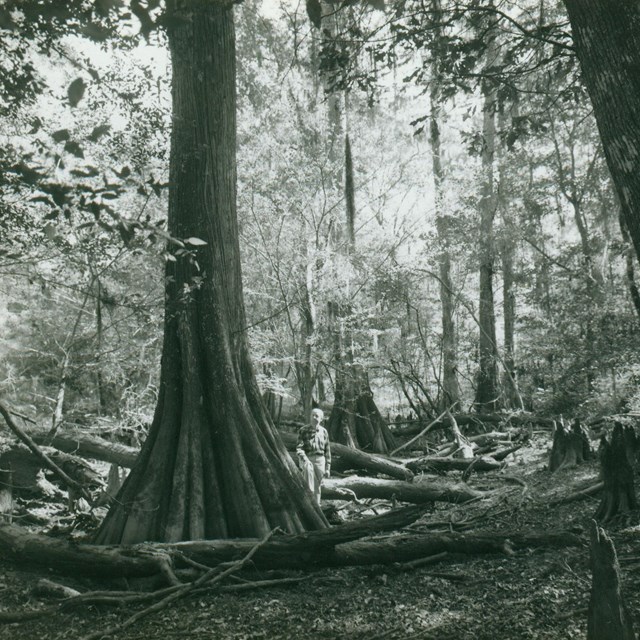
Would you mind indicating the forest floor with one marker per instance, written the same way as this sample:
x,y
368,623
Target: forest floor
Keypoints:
x,y
532,594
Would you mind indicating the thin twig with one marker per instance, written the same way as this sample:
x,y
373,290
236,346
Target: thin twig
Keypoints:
x,y
211,577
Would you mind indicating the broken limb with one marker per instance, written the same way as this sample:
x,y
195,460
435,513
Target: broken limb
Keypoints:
x,y
212,577
23,437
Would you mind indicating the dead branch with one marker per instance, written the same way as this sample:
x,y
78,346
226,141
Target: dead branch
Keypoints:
x,y
422,433
213,576
579,495
23,437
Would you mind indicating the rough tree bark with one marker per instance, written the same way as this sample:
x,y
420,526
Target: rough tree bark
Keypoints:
x,y
6,496
617,461
212,465
607,40
608,616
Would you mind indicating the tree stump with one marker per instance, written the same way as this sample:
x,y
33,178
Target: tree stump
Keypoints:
x,y
608,617
571,446
6,496
617,461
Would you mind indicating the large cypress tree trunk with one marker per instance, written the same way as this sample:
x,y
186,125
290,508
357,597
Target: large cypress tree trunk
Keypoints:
x,y
212,465
607,40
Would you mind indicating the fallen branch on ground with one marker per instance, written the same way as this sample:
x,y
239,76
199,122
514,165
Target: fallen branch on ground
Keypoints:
x,y
414,492
213,576
49,464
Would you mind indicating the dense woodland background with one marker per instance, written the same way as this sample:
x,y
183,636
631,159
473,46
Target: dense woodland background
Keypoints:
x,y
423,202
432,250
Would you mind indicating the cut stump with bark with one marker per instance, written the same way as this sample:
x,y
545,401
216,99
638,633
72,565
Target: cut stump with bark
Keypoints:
x,y
608,617
6,496
617,460
571,446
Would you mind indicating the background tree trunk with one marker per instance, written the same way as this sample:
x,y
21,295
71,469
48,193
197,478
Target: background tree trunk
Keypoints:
x,y
212,464
450,386
487,390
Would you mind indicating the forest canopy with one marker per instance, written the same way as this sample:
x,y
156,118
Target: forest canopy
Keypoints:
x,y
468,250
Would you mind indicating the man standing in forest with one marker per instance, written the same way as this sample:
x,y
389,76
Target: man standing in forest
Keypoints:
x,y
314,452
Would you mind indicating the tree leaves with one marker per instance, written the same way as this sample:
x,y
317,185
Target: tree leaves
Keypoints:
x,y
74,148
314,11
75,91
99,131
61,135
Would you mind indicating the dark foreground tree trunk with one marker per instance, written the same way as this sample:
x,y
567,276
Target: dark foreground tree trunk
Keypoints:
x,y
617,461
608,617
212,465
607,40
570,447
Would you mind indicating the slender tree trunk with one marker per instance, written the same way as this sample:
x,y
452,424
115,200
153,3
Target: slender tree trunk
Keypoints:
x,y
450,386
487,391
212,464
607,40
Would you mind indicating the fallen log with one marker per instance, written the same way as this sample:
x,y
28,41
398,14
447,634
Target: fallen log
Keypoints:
x,y
414,492
22,546
18,544
89,447
331,547
435,463
344,457
479,419
37,451
390,549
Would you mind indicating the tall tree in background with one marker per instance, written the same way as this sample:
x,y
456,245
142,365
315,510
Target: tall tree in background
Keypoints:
x,y
450,386
212,464
487,390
